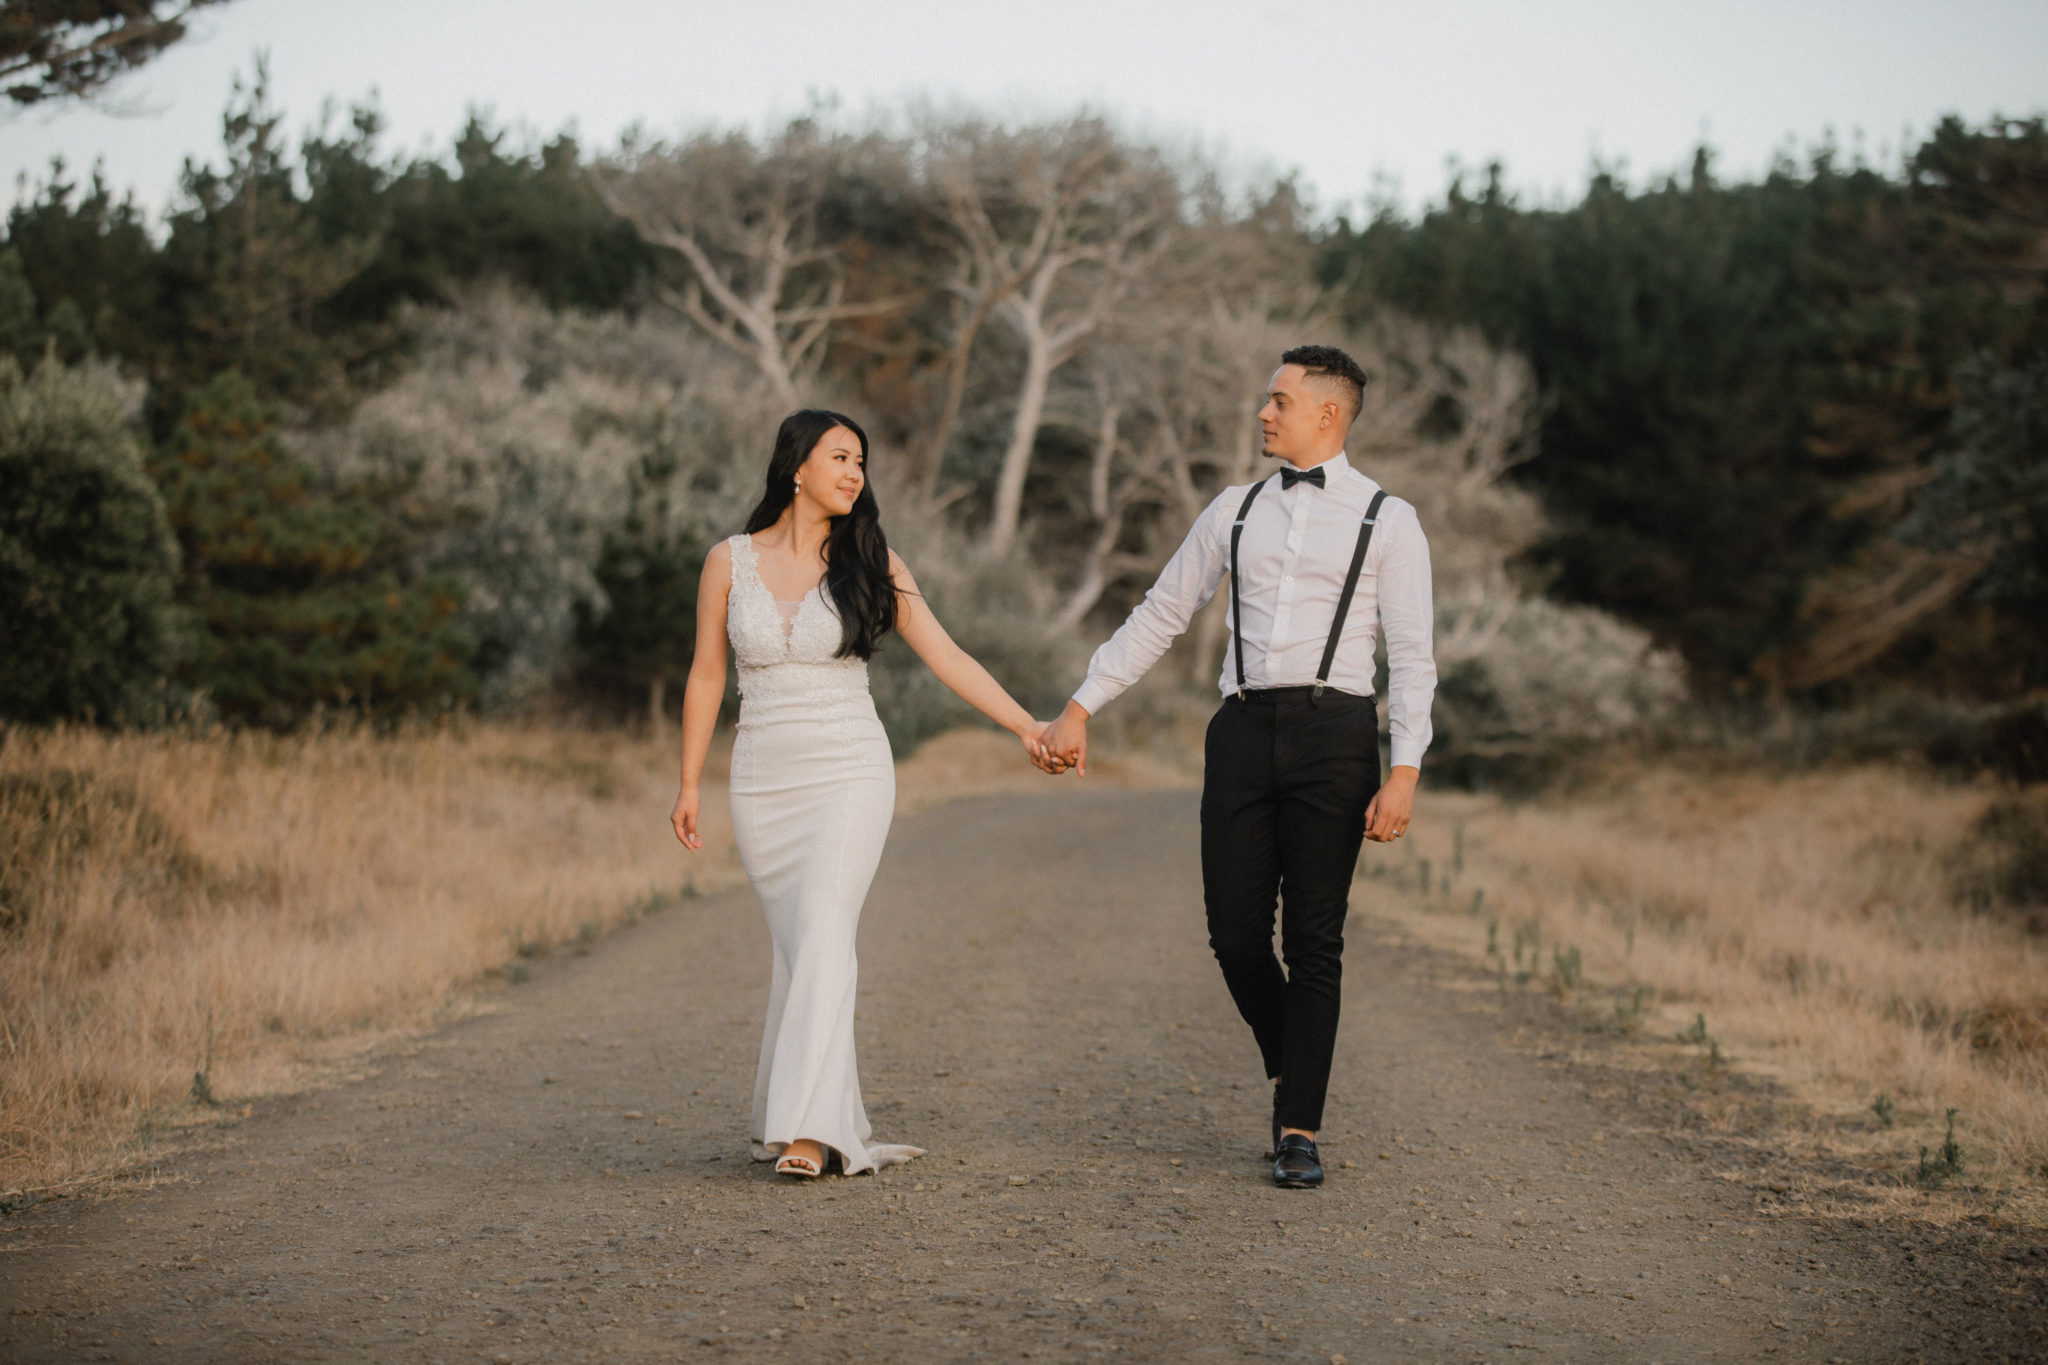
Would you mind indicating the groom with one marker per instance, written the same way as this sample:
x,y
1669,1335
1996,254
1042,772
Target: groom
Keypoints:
x,y
1321,562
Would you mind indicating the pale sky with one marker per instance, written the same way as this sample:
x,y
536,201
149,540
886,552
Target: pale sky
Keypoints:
x,y
1344,93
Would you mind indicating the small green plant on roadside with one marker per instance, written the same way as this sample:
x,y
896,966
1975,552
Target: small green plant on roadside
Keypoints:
x,y
1883,1107
1458,847
524,952
690,891
1478,903
1424,864
1565,968
1697,1036
1529,940
1628,1012
202,1079
1945,1163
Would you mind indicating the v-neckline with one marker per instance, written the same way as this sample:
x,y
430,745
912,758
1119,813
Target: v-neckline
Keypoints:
x,y
754,563
788,624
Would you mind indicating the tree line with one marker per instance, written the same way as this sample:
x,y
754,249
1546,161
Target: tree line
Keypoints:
x,y
1793,426
399,434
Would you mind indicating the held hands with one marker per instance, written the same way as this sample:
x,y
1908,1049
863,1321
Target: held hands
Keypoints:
x,y
1042,758
685,819
1033,737
1065,742
1386,819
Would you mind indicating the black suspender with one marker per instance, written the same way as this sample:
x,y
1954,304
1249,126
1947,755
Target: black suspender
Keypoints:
x,y
1236,612
1372,515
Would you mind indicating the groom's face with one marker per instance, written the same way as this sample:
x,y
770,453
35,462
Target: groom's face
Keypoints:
x,y
1293,415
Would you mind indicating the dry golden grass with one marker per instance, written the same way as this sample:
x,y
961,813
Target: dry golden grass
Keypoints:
x,y
275,904
266,908
1813,920
263,908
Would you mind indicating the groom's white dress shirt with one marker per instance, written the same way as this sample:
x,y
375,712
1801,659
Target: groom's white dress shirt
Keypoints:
x,y
1292,559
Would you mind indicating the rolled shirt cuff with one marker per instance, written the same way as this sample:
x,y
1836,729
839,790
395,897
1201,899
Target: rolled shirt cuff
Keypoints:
x,y
1407,753
1092,696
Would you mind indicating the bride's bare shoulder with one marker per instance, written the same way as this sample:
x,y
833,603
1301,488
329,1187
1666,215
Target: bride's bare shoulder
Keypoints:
x,y
718,563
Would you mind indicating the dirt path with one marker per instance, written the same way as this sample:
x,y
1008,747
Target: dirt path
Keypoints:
x,y
565,1178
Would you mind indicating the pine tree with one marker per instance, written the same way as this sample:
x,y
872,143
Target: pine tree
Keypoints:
x,y
93,270
72,49
252,281
298,604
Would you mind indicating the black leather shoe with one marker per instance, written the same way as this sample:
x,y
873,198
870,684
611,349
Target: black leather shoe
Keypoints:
x,y
1297,1167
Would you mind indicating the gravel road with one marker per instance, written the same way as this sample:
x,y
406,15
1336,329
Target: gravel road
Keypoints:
x,y
565,1177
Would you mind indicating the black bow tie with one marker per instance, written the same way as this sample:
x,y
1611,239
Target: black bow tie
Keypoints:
x,y
1290,476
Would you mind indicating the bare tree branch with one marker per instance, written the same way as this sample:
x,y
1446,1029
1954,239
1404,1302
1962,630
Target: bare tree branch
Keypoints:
x,y
1051,227
766,280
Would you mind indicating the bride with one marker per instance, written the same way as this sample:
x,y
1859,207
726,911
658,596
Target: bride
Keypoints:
x,y
805,595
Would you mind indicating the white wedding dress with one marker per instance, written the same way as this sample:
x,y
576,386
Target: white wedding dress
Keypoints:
x,y
813,789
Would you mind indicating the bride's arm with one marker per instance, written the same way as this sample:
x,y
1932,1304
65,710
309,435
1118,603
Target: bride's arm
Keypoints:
x,y
706,688
954,666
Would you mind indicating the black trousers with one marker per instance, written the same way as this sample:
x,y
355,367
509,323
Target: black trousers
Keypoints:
x,y
1283,813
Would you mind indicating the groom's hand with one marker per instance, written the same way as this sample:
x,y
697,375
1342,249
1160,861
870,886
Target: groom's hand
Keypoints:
x,y
1067,740
1041,757
1386,819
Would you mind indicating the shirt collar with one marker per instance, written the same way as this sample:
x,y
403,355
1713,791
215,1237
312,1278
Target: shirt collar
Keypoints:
x,y
1333,468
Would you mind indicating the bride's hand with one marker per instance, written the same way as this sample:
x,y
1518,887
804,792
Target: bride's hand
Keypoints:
x,y
685,819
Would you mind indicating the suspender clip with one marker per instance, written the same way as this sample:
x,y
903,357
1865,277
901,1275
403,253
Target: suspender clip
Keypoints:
x,y
1316,695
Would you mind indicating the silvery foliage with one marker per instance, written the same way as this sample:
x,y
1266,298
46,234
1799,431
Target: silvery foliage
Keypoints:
x,y
515,437
1447,420
998,607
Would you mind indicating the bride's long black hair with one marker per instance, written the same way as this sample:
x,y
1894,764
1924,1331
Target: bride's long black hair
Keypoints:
x,y
856,553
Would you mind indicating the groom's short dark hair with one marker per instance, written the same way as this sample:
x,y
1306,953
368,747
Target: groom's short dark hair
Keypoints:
x,y
1330,364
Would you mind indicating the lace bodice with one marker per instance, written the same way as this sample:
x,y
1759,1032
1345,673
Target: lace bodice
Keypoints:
x,y
785,650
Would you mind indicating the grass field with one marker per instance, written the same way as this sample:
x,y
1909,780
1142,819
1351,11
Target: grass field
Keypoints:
x,y
245,909
190,922
185,920
1840,930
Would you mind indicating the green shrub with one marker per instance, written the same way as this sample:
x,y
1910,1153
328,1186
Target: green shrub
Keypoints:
x,y
87,562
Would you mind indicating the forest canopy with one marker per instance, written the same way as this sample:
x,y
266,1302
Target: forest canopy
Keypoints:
x,y
431,431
